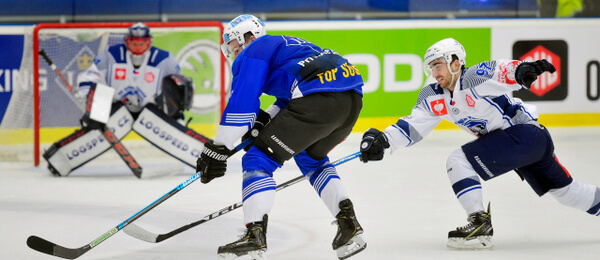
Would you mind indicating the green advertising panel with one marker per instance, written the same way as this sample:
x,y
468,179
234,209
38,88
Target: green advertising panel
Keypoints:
x,y
392,55
199,54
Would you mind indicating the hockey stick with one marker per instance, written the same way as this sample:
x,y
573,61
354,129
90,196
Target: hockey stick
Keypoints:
x,y
143,234
112,139
123,152
42,245
58,73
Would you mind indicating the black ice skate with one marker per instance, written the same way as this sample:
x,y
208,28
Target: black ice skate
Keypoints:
x,y
477,235
348,241
253,243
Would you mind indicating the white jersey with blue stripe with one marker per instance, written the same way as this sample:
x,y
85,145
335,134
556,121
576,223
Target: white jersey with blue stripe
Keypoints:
x,y
277,66
135,87
479,105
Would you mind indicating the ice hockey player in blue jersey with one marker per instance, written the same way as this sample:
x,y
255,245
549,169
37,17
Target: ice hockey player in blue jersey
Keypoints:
x,y
318,100
509,136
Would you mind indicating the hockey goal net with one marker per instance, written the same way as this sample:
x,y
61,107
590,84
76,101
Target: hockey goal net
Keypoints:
x,y
42,110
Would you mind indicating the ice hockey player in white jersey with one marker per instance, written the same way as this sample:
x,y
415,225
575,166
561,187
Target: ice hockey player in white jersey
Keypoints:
x,y
319,98
148,94
509,136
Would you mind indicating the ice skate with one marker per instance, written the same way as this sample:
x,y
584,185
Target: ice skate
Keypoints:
x,y
477,235
348,241
253,243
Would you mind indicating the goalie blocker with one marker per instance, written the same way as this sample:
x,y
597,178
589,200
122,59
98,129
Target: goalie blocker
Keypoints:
x,y
152,124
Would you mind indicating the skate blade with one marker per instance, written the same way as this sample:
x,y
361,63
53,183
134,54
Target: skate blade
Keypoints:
x,y
254,255
479,243
353,247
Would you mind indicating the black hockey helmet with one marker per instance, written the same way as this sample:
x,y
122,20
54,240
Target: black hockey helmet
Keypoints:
x,y
177,94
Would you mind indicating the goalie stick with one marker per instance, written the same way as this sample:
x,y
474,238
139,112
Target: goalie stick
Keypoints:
x,y
44,246
135,167
143,234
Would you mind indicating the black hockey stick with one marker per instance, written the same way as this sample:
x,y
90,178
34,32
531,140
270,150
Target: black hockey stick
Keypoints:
x,y
55,69
123,152
112,139
143,234
47,247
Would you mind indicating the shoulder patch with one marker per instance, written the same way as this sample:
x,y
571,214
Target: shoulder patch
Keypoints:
x,y
118,52
157,56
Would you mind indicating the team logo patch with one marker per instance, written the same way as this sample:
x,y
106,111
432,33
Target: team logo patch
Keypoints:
x,y
149,77
439,107
506,73
470,101
120,74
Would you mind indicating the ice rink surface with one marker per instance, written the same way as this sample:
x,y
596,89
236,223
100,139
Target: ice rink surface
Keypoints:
x,y
404,203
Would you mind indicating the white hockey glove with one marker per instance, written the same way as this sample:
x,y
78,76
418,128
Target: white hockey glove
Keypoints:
x,y
373,145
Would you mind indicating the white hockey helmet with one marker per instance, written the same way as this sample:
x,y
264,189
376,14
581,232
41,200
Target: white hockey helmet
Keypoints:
x,y
444,49
239,26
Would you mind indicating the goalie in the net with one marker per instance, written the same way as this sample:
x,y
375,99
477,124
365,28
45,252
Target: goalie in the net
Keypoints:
x,y
136,86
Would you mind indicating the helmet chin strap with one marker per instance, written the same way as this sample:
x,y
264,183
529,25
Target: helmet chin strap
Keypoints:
x,y
453,73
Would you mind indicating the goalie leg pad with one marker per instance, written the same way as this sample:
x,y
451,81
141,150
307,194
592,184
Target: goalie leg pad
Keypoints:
x,y
165,133
85,144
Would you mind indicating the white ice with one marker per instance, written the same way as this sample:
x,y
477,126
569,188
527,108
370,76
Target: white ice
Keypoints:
x,y
404,203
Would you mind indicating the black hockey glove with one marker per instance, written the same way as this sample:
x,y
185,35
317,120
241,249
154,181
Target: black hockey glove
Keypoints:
x,y
373,145
262,119
212,162
527,72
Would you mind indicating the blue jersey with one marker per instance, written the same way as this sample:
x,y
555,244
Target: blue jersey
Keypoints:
x,y
284,67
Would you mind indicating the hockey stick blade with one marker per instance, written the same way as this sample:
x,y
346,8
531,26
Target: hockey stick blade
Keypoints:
x,y
145,235
44,246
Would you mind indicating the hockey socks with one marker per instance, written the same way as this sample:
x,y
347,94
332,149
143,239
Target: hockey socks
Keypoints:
x,y
465,182
258,195
579,195
328,185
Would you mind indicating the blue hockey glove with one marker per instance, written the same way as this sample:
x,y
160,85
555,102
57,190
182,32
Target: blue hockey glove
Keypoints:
x,y
373,145
527,72
212,162
262,119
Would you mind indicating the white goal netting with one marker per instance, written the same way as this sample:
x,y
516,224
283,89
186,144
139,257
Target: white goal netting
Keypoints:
x,y
23,133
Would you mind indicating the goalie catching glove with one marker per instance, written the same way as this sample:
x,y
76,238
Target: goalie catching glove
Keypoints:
x,y
212,162
373,145
527,72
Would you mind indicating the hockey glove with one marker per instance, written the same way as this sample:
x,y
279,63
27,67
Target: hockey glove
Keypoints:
x,y
262,119
527,72
373,145
212,162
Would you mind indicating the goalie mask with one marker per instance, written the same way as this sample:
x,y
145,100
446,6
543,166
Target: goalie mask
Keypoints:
x,y
444,49
237,28
177,94
138,38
